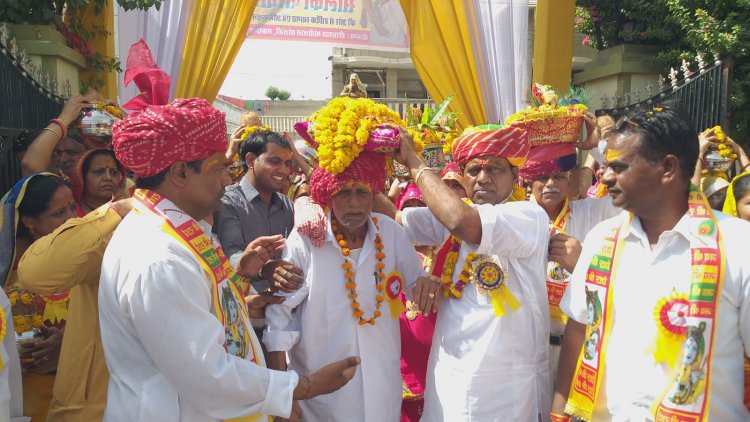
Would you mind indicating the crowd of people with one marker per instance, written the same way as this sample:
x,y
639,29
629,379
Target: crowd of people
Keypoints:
x,y
168,273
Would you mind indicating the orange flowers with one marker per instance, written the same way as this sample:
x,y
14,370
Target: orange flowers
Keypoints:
x,y
351,285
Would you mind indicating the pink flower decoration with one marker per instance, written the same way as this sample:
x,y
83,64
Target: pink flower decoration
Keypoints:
x,y
586,40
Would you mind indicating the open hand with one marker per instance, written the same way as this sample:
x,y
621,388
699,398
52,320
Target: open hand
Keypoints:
x,y
258,252
328,378
593,133
426,294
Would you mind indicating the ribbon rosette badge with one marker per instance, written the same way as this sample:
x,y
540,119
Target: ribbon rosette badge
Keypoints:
x,y
490,278
394,283
671,317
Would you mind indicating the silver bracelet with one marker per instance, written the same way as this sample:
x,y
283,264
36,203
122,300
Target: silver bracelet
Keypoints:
x,y
419,174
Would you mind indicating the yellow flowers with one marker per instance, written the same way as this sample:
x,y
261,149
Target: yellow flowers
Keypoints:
x,y
723,148
546,112
342,128
249,130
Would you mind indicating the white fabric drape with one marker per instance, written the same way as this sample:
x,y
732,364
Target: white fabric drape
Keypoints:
x,y
499,34
163,30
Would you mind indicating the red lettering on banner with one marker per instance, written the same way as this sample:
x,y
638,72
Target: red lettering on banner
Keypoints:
x,y
667,415
585,381
555,293
702,309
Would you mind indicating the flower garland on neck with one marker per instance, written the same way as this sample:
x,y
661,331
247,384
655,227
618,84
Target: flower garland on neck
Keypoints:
x,y
455,290
351,284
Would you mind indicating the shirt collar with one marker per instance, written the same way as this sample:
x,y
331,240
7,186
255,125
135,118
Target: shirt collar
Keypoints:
x,y
250,192
683,228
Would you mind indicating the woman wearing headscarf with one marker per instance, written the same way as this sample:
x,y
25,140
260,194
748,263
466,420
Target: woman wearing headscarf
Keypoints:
x,y
36,205
97,178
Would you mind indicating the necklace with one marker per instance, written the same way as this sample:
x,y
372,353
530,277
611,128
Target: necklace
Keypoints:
x,y
349,274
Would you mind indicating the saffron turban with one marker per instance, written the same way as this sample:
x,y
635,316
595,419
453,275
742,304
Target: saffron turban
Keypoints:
x,y
183,130
548,159
368,168
509,142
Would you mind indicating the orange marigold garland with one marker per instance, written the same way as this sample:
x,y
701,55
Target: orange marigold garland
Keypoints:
x,y
349,274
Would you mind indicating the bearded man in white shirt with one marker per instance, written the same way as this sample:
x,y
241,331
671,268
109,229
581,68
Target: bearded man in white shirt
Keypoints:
x,y
350,300
489,353
175,328
660,298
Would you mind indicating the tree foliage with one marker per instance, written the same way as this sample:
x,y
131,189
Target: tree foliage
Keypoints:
x,y
683,27
275,93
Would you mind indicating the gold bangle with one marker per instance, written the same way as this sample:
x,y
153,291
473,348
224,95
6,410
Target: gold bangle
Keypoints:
x,y
59,137
309,172
419,174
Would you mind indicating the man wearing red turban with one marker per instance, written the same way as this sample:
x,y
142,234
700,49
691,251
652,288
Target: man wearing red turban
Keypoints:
x,y
547,170
168,295
494,362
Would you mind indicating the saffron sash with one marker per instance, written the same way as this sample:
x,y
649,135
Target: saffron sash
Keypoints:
x,y
228,303
557,277
687,397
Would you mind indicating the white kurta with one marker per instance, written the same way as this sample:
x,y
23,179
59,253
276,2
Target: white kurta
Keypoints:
x,y
584,215
632,378
11,393
163,345
482,367
315,324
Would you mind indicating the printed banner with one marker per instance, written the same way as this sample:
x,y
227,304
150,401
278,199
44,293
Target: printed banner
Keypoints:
x,y
366,24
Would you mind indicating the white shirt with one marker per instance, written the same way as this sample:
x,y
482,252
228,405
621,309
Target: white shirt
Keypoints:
x,y
316,326
483,367
587,213
11,393
632,378
584,215
163,345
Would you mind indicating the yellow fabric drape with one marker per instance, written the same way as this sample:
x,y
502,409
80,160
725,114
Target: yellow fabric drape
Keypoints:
x,y
215,34
443,56
553,43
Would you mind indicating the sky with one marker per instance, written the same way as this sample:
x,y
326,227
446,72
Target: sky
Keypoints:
x,y
302,68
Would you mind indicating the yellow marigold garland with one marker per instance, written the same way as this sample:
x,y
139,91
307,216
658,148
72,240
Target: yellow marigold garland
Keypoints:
x,y
546,111
341,129
723,149
249,130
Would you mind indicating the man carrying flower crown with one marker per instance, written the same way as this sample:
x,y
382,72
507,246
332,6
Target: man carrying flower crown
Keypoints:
x,y
350,301
548,172
660,297
489,351
176,332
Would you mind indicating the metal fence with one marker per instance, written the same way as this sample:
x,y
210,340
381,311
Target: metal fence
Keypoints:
x,y
25,108
703,98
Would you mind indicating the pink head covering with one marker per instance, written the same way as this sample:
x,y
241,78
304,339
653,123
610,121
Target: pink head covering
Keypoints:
x,y
411,192
151,81
183,130
548,159
368,167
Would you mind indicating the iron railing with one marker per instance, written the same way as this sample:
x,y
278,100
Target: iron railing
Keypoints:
x,y
703,98
25,108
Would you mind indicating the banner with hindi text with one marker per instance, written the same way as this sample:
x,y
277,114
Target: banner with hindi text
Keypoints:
x,y
366,24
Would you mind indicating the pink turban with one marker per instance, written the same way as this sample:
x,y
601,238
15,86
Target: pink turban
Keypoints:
x,y
508,142
549,159
150,80
411,192
368,168
183,130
